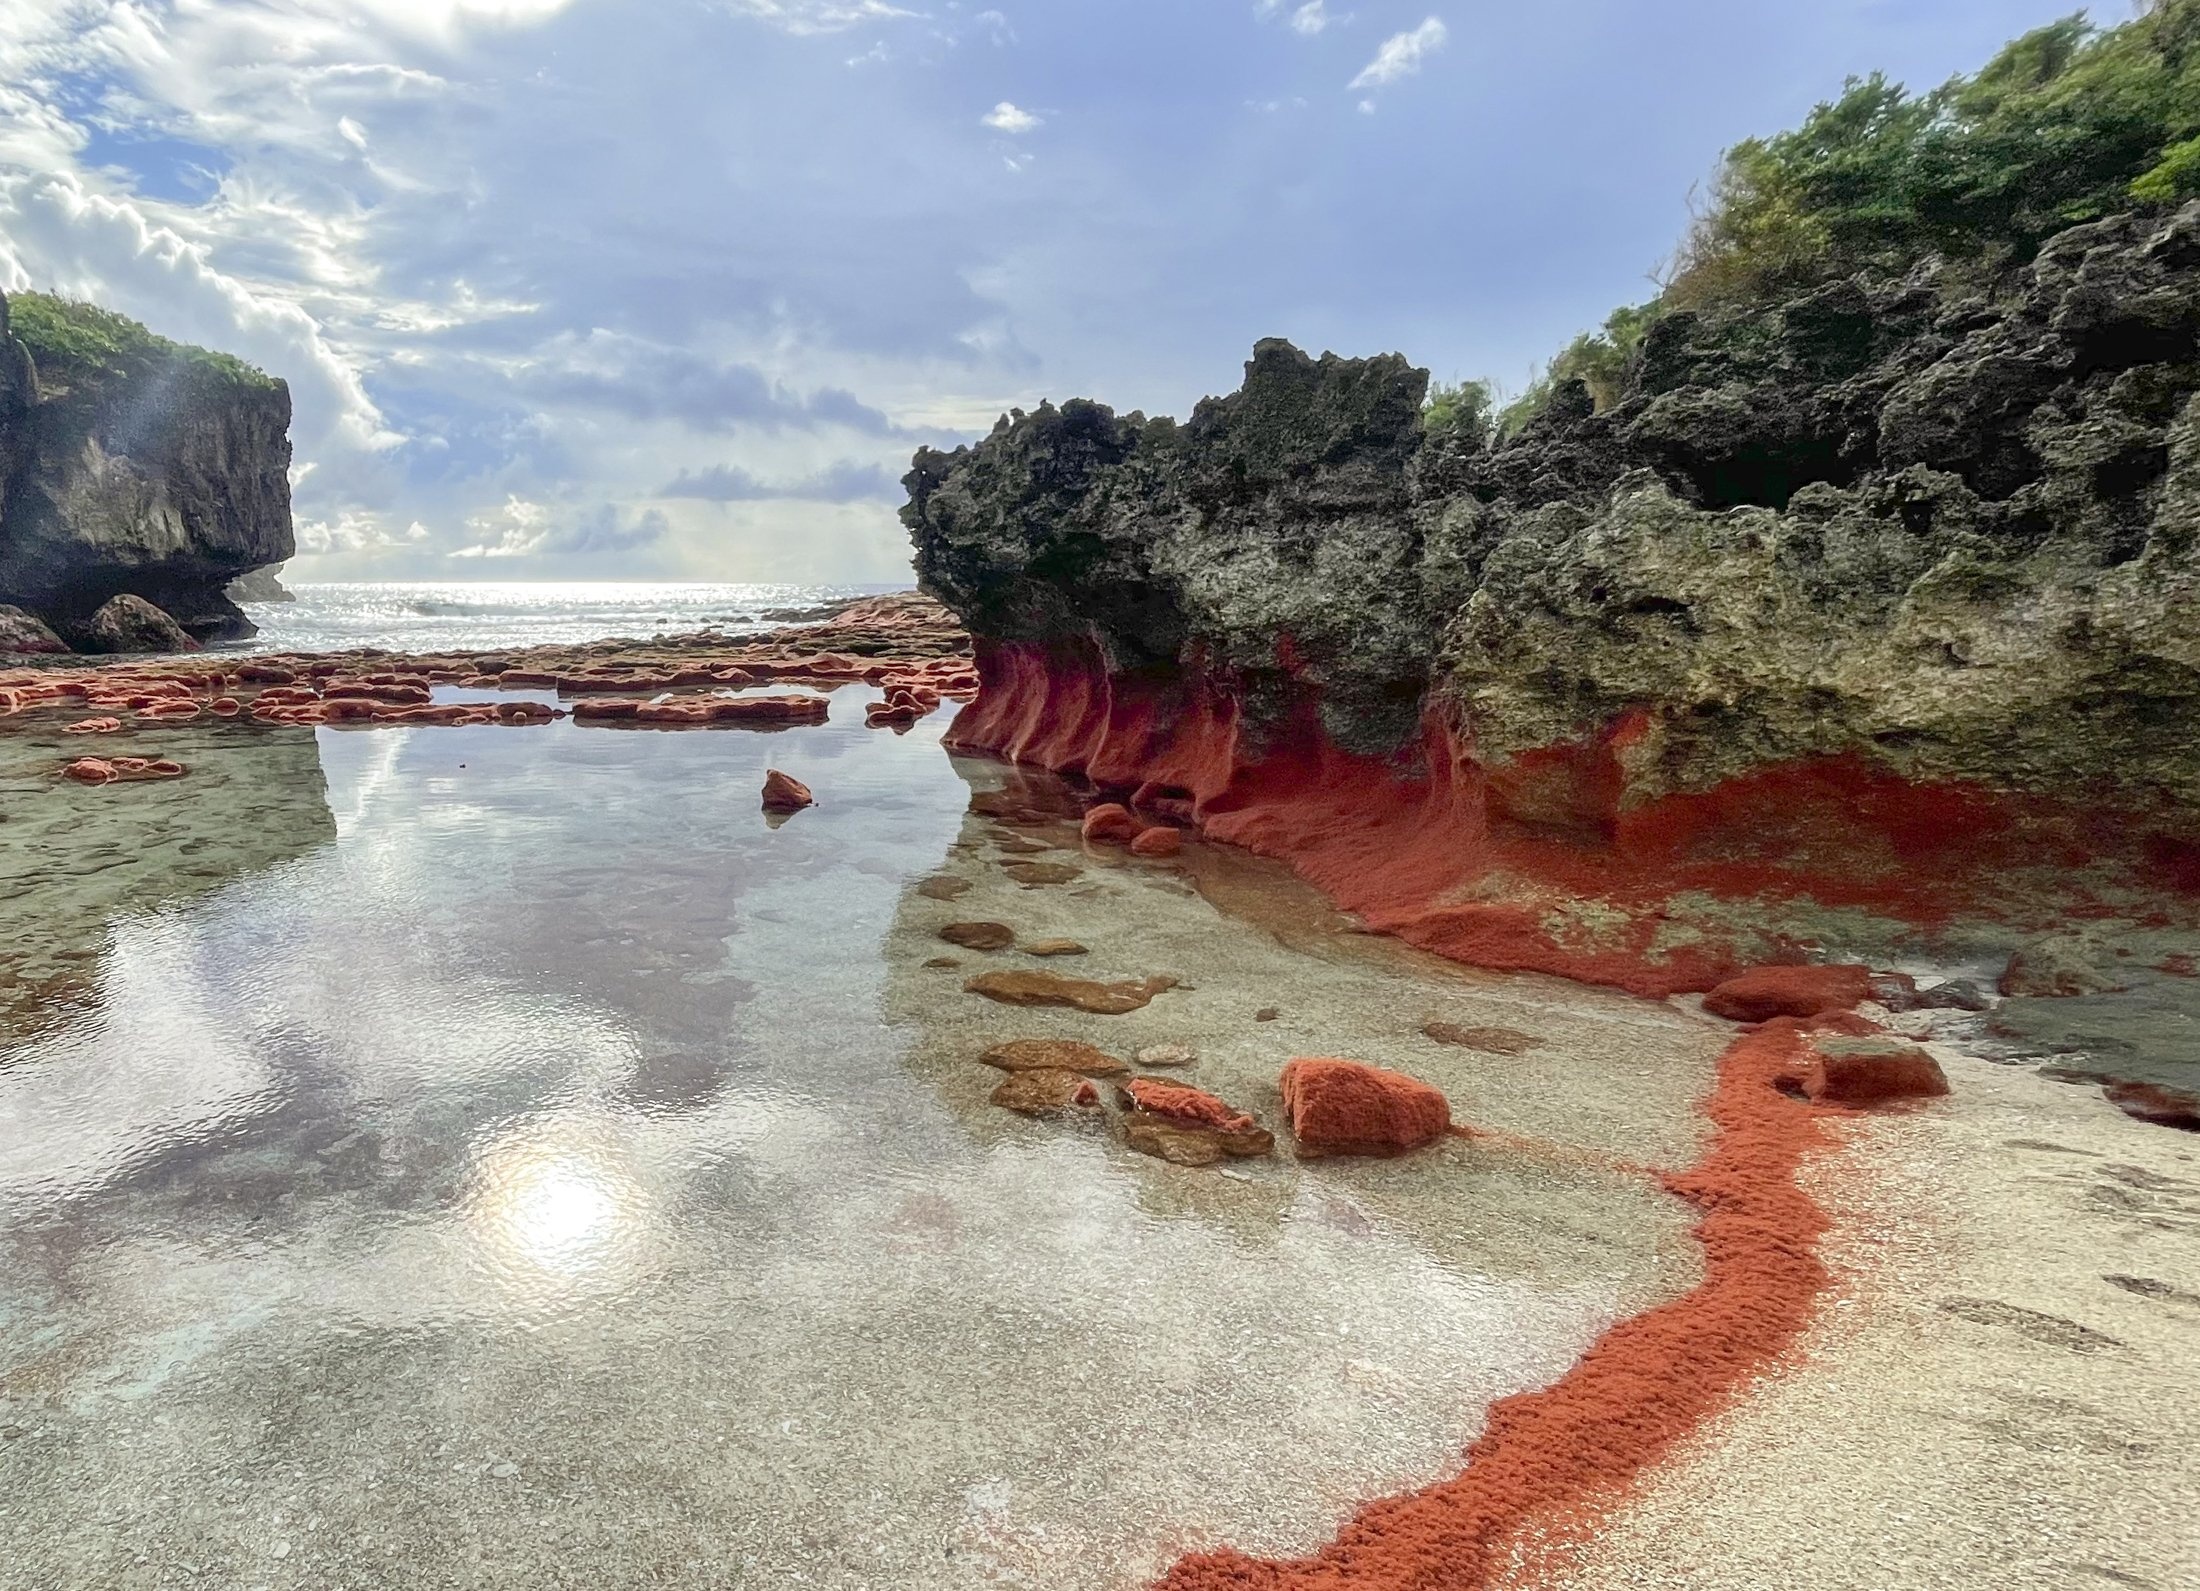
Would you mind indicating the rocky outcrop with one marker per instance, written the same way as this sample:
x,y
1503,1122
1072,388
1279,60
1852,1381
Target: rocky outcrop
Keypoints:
x,y
22,632
137,467
129,623
1886,590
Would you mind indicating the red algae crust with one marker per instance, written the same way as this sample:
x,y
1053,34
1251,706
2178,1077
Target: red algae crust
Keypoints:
x,y
1477,864
1571,1451
1338,1107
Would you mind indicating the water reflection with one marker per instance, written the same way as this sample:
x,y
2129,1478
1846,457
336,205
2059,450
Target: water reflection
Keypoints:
x,y
552,1208
551,1154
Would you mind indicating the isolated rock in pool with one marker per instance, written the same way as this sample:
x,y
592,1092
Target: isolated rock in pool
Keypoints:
x,y
1044,1091
1109,824
1033,874
1339,1107
2061,967
1185,1144
1157,842
24,633
979,936
1763,993
1870,1071
785,793
1182,1103
1491,1041
128,623
1082,994
93,726
943,886
1160,1056
1054,1055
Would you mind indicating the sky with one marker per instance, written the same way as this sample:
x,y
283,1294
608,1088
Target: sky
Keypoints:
x,y
671,289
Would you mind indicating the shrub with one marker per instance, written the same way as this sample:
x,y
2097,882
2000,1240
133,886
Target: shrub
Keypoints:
x,y
64,335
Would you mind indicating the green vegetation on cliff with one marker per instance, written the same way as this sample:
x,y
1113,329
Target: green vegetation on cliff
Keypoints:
x,y
2069,123
65,335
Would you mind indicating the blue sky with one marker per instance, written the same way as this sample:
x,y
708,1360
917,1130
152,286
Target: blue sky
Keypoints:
x,y
570,288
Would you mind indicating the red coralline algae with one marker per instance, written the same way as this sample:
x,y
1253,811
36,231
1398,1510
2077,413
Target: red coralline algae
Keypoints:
x,y
1559,1457
1158,1096
1764,992
112,770
1157,841
93,726
1410,842
1340,1107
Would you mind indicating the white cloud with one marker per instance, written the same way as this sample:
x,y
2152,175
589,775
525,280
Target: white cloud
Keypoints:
x,y
1401,55
1007,118
1310,18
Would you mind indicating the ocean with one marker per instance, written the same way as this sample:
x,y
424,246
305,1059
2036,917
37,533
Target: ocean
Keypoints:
x,y
454,615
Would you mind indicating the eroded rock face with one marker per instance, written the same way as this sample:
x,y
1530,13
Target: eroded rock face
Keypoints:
x,y
22,633
164,476
1953,532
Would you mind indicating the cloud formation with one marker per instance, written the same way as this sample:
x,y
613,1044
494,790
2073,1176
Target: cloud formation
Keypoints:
x,y
1401,55
589,287
1008,118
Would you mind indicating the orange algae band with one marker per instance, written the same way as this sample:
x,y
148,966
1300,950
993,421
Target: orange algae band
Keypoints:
x,y
1562,1454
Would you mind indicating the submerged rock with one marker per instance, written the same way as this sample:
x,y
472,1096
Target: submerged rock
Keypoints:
x,y
1054,947
1339,1107
1184,1143
1489,1040
979,936
943,886
1053,1055
1045,988
1033,875
1157,841
1161,1057
1044,1091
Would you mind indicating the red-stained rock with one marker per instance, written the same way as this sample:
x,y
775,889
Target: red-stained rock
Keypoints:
x,y
102,770
1181,1102
93,726
1043,1091
524,712
1762,993
1053,1055
601,709
783,793
1109,824
402,693
225,707
1081,994
1157,841
1339,1107
163,711
1870,1071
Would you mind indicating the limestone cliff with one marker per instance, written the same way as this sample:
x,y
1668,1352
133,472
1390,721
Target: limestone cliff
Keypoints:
x,y
129,464
1892,584
1956,534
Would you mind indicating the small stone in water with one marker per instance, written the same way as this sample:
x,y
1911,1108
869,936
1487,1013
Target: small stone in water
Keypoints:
x,y
979,936
1054,947
943,886
1159,1057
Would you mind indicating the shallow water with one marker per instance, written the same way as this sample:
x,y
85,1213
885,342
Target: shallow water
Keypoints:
x,y
500,1156
449,615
